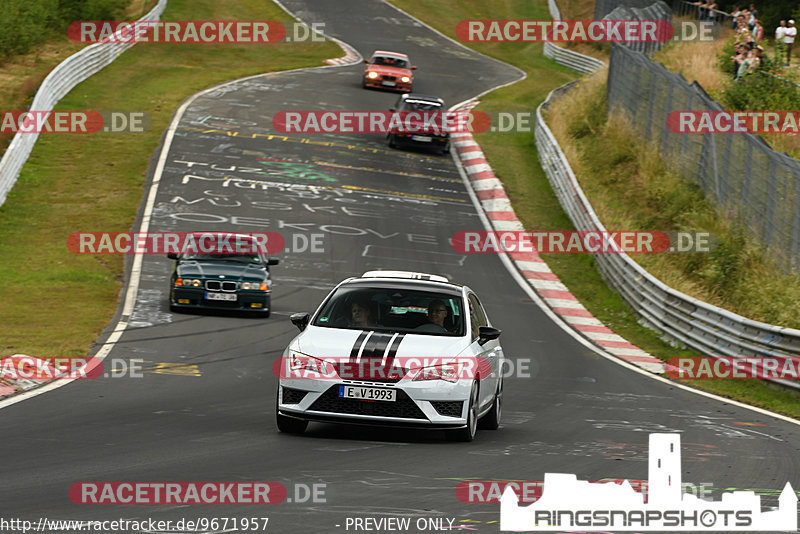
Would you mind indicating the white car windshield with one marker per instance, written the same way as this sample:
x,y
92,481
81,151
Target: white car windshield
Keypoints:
x,y
393,309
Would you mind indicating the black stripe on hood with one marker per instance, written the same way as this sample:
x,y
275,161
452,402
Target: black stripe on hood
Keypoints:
x,y
357,344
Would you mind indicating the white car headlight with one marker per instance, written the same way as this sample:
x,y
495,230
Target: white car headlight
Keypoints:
x,y
449,372
302,365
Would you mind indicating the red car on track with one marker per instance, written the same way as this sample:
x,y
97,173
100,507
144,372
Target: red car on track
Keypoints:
x,y
389,70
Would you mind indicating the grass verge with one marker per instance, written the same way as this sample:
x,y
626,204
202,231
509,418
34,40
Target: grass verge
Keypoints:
x,y
55,303
630,186
21,75
515,161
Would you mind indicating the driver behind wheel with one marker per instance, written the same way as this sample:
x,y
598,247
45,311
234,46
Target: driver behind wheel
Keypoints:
x,y
437,313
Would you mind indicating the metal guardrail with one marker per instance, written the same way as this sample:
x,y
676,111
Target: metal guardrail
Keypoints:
x,y
568,58
709,330
573,60
67,74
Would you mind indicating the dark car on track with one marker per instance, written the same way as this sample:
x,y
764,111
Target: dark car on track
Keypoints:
x,y
410,109
235,281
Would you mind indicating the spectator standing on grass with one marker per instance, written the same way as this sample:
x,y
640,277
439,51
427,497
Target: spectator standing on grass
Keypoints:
x,y
788,40
743,35
751,22
741,26
701,10
711,5
738,59
755,62
744,16
711,8
734,15
780,31
758,31
744,64
751,62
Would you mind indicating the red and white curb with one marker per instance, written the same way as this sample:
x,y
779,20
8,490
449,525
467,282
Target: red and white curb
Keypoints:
x,y
10,386
497,207
350,57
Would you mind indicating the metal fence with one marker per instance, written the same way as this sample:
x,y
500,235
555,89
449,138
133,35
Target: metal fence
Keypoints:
x,y
565,57
709,330
604,7
681,8
655,11
740,172
58,83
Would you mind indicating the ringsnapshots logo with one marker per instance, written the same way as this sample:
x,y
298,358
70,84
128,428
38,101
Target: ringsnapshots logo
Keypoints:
x,y
568,504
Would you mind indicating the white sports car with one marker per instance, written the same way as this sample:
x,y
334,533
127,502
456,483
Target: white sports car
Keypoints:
x,y
394,348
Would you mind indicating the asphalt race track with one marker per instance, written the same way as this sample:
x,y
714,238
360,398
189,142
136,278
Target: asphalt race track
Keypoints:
x,y
203,409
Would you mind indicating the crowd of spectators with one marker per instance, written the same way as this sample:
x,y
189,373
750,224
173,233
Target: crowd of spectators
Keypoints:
x,y
750,34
